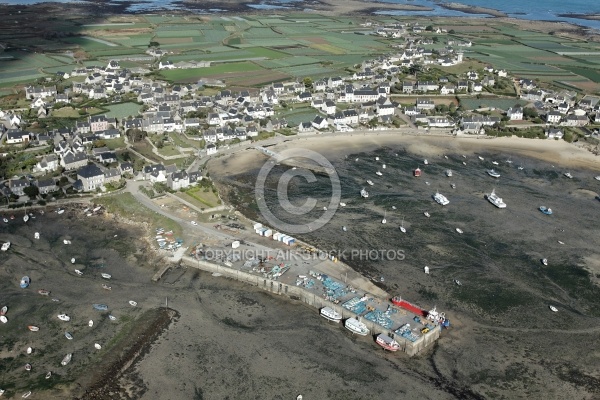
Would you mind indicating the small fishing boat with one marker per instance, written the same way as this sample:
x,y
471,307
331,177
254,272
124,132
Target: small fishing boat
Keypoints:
x,y
384,166
343,204
344,228
132,303
370,182
457,282
97,346
387,342
106,287
495,162
68,335
568,175
86,210
25,281
546,210
453,185
425,162
560,242
493,173
464,163
402,228
73,260
324,208
553,308
376,158
448,173
417,172
64,317
112,317
426,214
97,209
29,350
36,235
44,292
383,221
105,275
356,326
330,314
364,193
3,310
27,367
55,299
100,307
545,261
393,207
378,173
90,323
26,394
49,374
597,177
60,211
3,319
25,218
65,241
459,230
67,359
481,158
520,168
78,272
5,220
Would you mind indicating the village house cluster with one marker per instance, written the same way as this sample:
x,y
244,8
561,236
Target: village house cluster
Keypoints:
x,y
341,103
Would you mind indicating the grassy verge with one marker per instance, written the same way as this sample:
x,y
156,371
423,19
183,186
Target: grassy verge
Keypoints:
x,y
201,197
125,205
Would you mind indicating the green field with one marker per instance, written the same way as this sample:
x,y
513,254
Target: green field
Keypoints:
x,y
123,110
181,75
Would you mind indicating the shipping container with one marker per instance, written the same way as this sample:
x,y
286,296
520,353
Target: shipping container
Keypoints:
x,y
258,225
268,233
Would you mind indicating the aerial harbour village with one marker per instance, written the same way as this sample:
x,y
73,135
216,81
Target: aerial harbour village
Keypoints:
x,y
133,148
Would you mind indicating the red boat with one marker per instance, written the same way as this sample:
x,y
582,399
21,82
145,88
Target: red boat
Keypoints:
x,y
387,342
397,301
417,172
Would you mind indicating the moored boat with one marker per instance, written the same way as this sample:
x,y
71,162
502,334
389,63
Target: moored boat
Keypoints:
x,y
64,317
459,230
90,323
25,281
27,367
36,235
441,199
65,241
112,317
68,335
364,193
330,314
3,310
448,173
26,394
597,177
100,307
105,275
545,261
492,172
370,182
49,374
78,272
387,342
3,319
44,292
97,346
356,326
33,328
132,303
495,199
66,359
546,210
29,350
568,175
106,287
426,214
378,173
5,246
553,308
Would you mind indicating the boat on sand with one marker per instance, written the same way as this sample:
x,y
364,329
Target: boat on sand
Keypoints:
x,y
33,328
387,342
356,326
553,308
67,359
330,314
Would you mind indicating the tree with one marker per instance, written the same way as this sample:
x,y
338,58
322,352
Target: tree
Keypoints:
x,y
308,83
31,191
138,164
530,113
429,28
99,143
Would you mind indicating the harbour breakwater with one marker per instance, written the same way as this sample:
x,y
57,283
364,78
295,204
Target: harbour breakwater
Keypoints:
x,y
310,299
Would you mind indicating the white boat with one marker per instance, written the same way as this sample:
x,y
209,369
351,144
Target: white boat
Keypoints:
x,y
384,166
3,319
60,210
441,199
457,282
90,323
73,260
370,182
132,303
26,394
86,210
5,220
65,241
493,173
68,335
393,207
330,314
78,272
459,230
3,310
36,235
67,359
25,218
463,156
97,346
425,162
1,392
559,242
383,221
426,214
105,275
568,175
376,158
106,287
464,163
64,317
495,199
402,228
324,208
481,158
97,209
387,342
364,193
453,185
356,326
27,367
448,173
29,350
5,246
49,374
545,261
520,168
553,308
378,173
597,177
112,317
495,162
343,204
344,228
